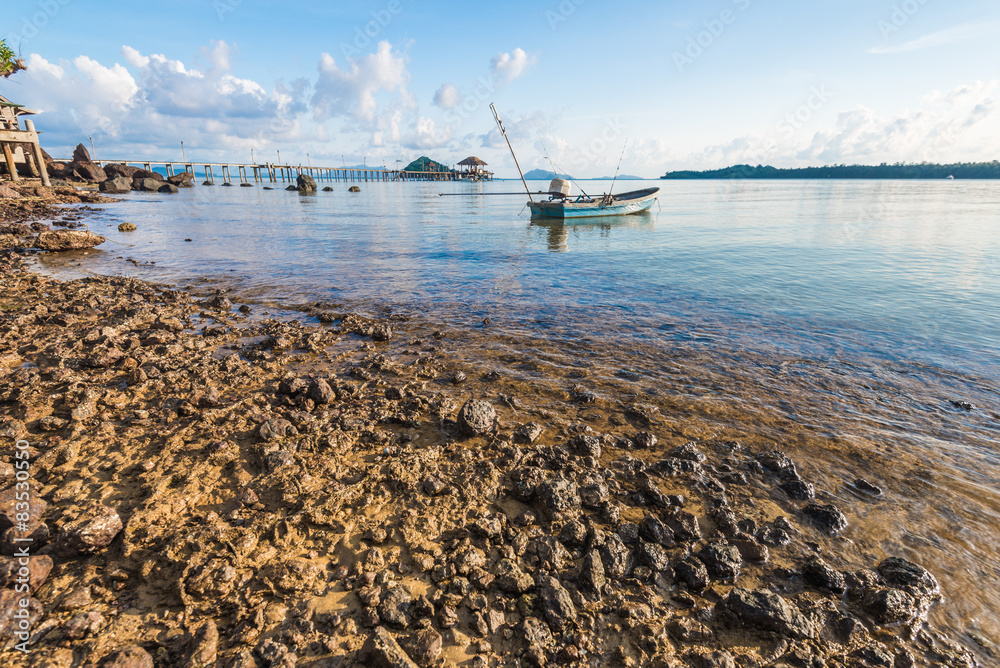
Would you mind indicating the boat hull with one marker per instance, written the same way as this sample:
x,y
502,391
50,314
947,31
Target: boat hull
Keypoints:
x,y
623,205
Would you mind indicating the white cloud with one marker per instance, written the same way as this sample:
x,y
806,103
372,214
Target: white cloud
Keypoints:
x,y
354,88
510,66
962,124
447,96
157,102
944,37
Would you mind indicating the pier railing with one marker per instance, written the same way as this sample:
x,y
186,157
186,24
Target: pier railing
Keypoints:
x,y
273,173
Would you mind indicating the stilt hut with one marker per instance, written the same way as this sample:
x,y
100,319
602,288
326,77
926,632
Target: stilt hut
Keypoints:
x,y
472,168
20,145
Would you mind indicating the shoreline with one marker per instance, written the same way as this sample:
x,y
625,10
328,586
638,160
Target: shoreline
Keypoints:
x,y
289,489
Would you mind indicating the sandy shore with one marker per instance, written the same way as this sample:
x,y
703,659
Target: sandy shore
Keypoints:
x,y
210,487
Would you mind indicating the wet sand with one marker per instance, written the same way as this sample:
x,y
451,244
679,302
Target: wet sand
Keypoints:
x,y
334,489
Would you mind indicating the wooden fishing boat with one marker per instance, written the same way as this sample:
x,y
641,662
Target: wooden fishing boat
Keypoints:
x,y
563,206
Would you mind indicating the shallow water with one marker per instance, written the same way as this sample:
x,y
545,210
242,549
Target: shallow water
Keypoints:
x,y
837,320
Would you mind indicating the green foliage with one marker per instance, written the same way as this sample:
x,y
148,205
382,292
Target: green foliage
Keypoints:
x,y
9,61
425,164
900,170
7,56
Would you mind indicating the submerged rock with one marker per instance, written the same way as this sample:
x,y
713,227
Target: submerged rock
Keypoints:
x,y
828,517
65,240
764,611
908,576
476,418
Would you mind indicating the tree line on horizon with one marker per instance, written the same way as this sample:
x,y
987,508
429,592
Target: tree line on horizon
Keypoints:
x,y
899,170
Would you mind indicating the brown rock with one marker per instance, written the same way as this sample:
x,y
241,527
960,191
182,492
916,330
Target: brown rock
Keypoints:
x,y
130,657
182,180
10,604
425,646
115,169
9,508
81,154
383,651
35,532
87,171
64,240
94,530
38,570
204,646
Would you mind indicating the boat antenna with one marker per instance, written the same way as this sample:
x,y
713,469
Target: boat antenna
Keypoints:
x,y
503,131
619,168
555,168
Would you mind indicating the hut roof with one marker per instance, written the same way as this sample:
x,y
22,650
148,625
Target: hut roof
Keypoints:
x,y
21,109
472,161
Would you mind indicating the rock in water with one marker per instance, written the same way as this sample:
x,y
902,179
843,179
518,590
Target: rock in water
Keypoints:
x,y
146,185
476,417
354,189
827,517
117,185
305,184
127,227
765,611
64,240
182,180
890,606
908,576
819,574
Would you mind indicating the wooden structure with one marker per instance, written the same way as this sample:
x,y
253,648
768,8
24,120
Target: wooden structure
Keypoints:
x,y
273,173
20,143
472,168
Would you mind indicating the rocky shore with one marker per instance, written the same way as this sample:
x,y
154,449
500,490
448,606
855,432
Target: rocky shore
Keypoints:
x,y
212,487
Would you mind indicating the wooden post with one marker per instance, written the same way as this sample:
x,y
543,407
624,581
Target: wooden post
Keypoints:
x,y
29,160
11,167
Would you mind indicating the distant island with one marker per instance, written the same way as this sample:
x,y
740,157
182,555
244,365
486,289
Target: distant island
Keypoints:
x,y
425,164
544,175
961,170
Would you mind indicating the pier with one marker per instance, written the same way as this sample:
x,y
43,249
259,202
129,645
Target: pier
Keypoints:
x,y
275,173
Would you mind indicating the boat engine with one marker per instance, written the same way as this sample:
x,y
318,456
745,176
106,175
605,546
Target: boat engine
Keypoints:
x,y
560,188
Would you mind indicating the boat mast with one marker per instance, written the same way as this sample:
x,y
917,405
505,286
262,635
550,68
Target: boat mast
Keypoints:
x,y
504,133
619,168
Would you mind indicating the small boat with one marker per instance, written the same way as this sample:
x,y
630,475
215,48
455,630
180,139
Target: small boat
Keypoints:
x,y
563,205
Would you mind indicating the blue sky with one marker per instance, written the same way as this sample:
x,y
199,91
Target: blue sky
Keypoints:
x,y
688,85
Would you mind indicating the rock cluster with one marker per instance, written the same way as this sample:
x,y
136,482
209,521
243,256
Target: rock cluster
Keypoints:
x,y
215,488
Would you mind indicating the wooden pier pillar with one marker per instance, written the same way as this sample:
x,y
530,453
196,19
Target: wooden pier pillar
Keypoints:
x,y
11,167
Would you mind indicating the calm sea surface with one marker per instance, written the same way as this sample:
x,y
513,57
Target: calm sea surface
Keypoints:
x,y
849,314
